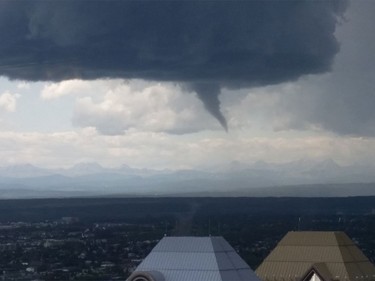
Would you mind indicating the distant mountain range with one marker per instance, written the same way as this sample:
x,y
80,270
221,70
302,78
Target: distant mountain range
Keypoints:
x,y
299,178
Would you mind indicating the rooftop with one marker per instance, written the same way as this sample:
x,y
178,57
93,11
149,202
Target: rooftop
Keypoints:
x,y
193,258
332,253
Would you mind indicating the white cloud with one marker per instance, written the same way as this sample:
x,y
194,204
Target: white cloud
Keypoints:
x,y
114,106
23,85
144,106
160,150
67,87
8,101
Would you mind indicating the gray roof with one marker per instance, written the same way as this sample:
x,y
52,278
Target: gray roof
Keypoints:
x,y
196,259
297,252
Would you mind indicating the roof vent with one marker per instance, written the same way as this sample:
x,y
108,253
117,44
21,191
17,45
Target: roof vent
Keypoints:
x,y
146,276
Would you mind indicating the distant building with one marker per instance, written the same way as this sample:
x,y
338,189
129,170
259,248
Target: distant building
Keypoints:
x,y
193,259
316,256
69,220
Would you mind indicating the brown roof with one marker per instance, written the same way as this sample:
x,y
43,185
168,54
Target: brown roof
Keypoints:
x,y
297,252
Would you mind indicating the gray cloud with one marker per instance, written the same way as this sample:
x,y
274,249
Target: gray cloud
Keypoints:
x,y
347,104
215,43
342,101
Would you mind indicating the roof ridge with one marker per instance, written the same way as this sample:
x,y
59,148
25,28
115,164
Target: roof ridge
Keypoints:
x,y
342,256
214,253
220,241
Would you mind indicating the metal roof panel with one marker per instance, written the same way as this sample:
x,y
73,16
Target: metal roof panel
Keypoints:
x,y
184,244
197,259
179,261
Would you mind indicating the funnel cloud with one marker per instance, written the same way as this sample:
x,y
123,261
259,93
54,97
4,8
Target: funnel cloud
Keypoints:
x,y
209,95
207,44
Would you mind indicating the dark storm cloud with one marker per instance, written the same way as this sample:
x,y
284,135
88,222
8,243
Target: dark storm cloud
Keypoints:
x,y
343,101
209,44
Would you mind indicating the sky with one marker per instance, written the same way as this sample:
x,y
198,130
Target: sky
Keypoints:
x,y
186,84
